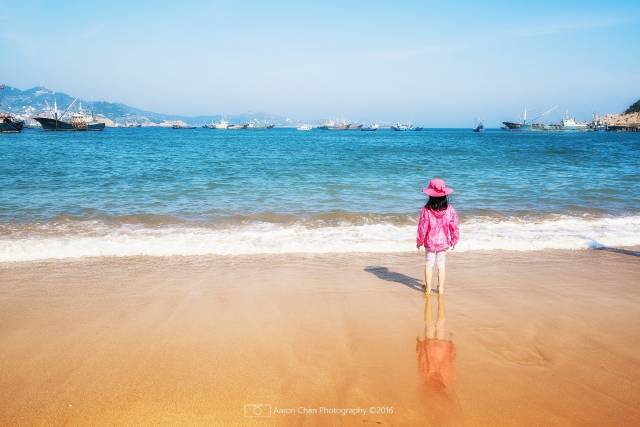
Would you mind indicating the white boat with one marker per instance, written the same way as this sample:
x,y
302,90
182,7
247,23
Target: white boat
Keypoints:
x,y
182,126
237,127
304,127
403,127
374,127
222,124
571,124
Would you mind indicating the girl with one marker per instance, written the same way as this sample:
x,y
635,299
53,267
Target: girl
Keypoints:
x,y
437,231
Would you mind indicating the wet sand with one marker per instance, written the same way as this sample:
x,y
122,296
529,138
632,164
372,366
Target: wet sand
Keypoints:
x,y
538,338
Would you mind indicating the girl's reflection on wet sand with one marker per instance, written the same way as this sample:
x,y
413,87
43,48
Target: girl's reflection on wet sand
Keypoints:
x,y
435,353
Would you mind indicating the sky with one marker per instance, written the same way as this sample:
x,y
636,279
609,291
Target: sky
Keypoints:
x,y
431,63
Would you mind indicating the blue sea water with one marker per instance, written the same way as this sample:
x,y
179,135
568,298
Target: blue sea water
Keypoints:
x,y
151,191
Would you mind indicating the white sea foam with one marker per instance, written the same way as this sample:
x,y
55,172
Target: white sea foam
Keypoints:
x,y
267,238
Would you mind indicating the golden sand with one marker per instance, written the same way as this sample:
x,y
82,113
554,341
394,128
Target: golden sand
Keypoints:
x,y
544,338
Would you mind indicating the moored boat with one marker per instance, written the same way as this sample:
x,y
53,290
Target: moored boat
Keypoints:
x,y
8,122
222,124
374,127
304,127
79,121
597,123
54,124
258,125
237,127
546,127
571,124
401,127
517,125
405,127
339,126
179,126
343,125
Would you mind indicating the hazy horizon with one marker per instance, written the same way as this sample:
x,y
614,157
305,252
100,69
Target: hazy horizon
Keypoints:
x,y
429,63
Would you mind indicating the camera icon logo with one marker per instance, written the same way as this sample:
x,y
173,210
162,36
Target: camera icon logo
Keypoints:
x,y
257,410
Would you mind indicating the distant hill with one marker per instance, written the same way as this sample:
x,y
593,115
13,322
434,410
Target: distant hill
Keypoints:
x,y
37,99
634,108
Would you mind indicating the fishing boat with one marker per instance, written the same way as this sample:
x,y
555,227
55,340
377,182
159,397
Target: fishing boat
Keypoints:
x,y
374,127
569,123
237,127
597,123
514,126
479,127
326,125
545,127
517,125
78,121
534,124
179,126
342,125
304,127
222,124
8,122
258,125
401,127
405,127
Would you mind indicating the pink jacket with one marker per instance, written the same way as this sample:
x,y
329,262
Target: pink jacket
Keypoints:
x,y
438,230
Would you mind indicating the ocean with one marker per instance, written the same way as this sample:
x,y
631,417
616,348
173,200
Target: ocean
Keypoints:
x,y
161,192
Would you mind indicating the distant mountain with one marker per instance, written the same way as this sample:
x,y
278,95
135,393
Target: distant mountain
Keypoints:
x,y
634,108
37,99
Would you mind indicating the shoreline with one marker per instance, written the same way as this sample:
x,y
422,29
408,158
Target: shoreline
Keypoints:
x,y
204,259
86,240
539,338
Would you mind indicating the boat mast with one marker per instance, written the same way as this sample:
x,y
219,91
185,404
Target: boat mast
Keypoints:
x,y
541,115
55,106
67,109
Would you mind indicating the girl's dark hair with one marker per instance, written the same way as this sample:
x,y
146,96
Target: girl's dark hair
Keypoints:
x,y
437,203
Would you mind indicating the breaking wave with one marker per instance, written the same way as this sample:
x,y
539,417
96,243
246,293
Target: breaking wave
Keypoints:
x,y
101,238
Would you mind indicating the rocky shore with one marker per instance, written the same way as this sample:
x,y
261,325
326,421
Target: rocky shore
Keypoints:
x,y
630,119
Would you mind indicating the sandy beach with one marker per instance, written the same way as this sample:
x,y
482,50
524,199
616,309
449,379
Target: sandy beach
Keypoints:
x,y
533,338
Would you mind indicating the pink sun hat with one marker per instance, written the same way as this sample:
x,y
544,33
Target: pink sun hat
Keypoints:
x,y
437,188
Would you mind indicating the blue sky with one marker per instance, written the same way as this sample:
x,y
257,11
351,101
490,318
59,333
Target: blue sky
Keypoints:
x,y
428,62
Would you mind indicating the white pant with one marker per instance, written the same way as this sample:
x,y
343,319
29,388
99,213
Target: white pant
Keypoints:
x,y
436,258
